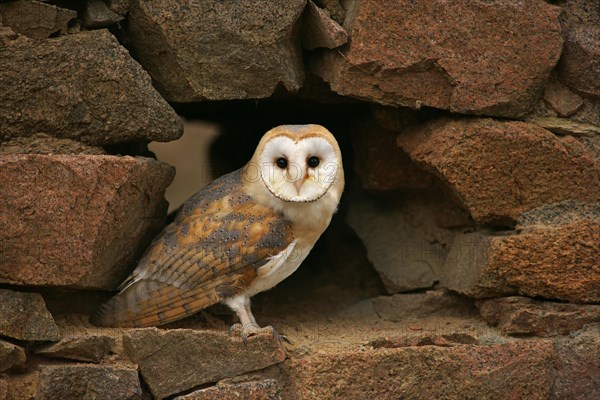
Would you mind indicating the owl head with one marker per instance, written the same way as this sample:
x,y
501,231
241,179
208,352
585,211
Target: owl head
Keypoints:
x,y
298,163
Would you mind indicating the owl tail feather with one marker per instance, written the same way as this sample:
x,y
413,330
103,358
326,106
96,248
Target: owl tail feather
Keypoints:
x,y
151,303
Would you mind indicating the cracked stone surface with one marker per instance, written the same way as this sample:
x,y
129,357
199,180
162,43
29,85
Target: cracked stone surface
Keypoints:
x,y
84,86
524,316
553,254
474,57
217,50
207,356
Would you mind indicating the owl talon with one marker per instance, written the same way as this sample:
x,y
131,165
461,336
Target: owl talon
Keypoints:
x,y
235,330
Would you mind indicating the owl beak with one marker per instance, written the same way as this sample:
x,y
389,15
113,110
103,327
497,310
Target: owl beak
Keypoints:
x,y
298,184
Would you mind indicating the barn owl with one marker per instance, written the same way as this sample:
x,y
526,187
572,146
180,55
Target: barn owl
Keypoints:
x,y
239,236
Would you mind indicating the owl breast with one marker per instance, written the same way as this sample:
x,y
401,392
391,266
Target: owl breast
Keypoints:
x,y
280,267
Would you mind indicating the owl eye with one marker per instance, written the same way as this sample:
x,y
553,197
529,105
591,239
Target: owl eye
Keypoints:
x,y
313,162
281,162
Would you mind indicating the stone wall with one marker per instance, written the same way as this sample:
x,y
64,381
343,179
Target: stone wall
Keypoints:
x,y
464,261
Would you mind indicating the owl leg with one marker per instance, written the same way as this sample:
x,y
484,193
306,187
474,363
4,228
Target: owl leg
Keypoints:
x,y
247,325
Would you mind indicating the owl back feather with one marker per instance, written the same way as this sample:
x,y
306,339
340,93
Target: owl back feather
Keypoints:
x,y
209,253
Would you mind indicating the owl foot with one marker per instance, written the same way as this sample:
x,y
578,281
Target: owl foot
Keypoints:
x,y
248,330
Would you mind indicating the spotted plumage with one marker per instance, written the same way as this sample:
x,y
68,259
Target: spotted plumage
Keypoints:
x,y
238,236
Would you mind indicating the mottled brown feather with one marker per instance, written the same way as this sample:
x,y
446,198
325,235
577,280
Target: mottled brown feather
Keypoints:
x,y
209,253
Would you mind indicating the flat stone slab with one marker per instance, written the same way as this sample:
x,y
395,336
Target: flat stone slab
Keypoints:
x,y
525,316
172,361
83,381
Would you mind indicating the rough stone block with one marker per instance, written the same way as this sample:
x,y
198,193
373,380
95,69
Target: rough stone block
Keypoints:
x,y
82,381
84,86
476,57
11,355
216,50
553,254
319,30
525,316
208,356
500,169
579,65
35,19
267,389
24,316
578,365
430,371
77,221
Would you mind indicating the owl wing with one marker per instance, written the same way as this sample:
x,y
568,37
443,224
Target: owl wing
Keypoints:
x,y
209,253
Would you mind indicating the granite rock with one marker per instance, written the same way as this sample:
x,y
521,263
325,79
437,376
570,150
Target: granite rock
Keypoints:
x,y
500,169
475,57
216,50
24,316
84,87
77,221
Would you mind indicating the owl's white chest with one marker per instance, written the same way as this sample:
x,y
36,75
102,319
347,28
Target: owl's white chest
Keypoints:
x,y
280,267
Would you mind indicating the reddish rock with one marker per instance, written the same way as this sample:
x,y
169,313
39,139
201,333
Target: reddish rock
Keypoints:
x,y
77,221
267,389
44,144
24,316
579,65
208,356
84,86
477,57
3,389
11,355
82,381
525,316
319,30
426,372
500,169
216,50
35,19
553,254
579,12
380,164
578,365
